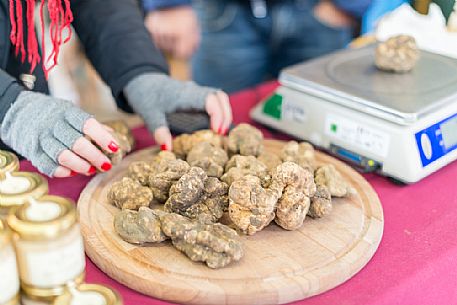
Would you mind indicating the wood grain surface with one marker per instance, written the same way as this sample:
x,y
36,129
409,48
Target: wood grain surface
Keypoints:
x,y
278,267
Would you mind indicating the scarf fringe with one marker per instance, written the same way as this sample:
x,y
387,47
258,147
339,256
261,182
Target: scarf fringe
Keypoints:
x,y
60,16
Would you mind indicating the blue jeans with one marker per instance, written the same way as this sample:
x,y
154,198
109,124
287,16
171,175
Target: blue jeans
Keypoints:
x,y
239,51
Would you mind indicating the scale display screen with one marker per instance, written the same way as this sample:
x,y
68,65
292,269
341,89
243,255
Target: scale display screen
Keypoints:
x,y
449,132
437,140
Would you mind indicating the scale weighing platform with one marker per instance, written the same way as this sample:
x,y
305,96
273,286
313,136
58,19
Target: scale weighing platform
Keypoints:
x,y
401,125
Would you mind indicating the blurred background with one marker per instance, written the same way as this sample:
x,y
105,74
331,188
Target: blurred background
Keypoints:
x,y
74,79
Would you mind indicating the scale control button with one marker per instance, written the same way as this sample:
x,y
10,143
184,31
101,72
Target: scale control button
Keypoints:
x,y
426,146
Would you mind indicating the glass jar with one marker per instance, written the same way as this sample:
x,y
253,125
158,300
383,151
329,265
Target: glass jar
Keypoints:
x,y
9,279
49,246
86,294
27,301
17,187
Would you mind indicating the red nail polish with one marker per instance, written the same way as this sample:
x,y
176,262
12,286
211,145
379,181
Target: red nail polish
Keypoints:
x,y
106,166
92,170
163,147
219,131
73,173
113,147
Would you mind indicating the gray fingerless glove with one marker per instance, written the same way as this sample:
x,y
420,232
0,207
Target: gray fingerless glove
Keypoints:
x,y
153,95
40,127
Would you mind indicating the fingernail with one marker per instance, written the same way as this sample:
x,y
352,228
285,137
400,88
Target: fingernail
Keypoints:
x,y
73,173
92,170
163,147
113,147
106,166
219,131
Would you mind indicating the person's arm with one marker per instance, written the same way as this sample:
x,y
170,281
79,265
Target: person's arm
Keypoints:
x,y
47,131
50,132
9,91
119,46
116,42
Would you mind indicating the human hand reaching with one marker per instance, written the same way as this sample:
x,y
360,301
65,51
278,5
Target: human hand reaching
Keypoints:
x,y
51,133
154,95
174,30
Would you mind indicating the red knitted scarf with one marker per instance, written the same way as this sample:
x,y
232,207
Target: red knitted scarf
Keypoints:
x,y
60,16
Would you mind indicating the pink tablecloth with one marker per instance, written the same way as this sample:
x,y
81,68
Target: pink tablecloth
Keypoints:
x,y
416,262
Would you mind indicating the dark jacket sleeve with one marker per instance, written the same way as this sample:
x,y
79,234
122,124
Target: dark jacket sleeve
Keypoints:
x,y
9,90
116,42
151,5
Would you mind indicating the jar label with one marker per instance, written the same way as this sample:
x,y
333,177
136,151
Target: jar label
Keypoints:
x,y
54,263
9,279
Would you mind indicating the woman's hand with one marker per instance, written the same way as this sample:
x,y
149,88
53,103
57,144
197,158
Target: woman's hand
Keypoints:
x,y
154,95
174,30
217,106
53,134
83,157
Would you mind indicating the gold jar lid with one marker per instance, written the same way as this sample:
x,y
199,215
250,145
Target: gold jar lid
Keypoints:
x,y
8,162
33,229
38,186
5,234
110,296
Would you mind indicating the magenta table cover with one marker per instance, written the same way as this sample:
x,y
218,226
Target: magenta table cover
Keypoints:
x,y
416,262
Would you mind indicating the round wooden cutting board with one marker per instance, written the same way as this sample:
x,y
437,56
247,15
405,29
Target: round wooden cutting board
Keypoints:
x,y
278,267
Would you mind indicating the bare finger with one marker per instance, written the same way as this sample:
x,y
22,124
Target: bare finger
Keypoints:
x,y
92,154
226,110
214,110
63,172
100,135
71,161
163,137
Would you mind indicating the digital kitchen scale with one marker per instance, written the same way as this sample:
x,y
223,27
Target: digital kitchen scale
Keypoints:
x,y
401,125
